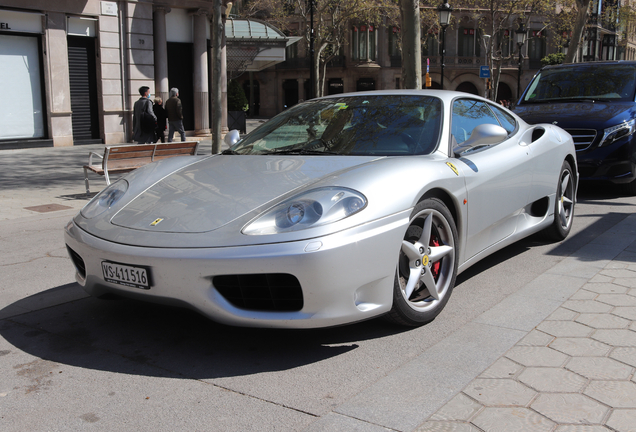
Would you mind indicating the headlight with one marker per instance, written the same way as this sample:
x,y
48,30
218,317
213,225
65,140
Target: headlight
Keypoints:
x,y
308,210
619,131
105,199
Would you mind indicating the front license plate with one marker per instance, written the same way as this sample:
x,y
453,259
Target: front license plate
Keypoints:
x,y
135,277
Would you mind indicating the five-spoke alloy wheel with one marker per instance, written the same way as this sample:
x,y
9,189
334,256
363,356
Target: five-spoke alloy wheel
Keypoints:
x,y
564,205
427,265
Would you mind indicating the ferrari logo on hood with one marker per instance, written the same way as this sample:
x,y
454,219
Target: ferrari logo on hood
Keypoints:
x,y
156,222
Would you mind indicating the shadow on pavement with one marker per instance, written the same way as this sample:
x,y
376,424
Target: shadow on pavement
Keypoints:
x,y
130,337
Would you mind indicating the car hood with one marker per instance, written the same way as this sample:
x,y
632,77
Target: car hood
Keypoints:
x,y
597,115
209,194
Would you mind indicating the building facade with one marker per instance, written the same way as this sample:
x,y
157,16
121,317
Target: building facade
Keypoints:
x,y
70,69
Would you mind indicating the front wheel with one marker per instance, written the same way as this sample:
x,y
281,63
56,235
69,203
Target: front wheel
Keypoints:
x,y
630,188
564,205
427,265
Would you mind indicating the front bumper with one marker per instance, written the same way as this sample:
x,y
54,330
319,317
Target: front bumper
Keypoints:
x,y
345,277
615,162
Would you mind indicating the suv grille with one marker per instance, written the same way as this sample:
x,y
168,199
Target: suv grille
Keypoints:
x,y
583,138
276,292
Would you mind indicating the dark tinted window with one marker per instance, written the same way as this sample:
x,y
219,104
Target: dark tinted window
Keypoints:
x,y
602,81
357,125
507,121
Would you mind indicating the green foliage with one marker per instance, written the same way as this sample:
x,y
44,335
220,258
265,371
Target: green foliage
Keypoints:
x,y
236,100
553,59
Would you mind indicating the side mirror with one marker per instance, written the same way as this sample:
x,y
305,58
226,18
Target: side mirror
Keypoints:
x,y
482,135
232,137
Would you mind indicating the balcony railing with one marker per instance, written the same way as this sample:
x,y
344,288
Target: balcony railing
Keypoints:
x,y
294,63
451,62
304,63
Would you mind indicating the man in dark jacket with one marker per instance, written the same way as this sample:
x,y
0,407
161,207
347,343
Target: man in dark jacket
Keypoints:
x,y
175,115
144,118
161,120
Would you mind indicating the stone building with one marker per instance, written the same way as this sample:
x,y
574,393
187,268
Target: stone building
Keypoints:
x,y
70,69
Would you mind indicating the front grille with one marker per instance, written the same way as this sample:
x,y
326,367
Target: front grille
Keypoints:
x,y
275,292
77,261
583,138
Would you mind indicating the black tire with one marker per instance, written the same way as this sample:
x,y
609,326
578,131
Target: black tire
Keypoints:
x,y
563,206
427,259
630,188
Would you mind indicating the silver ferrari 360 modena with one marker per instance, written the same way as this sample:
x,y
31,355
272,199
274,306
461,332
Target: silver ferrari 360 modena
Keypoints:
x,y
337,210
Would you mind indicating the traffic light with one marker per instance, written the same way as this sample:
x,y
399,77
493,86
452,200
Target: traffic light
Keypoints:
x,y
488,84
429,83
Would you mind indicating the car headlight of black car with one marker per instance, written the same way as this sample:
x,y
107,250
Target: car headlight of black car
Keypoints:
x,y
308,210
617,132
105,199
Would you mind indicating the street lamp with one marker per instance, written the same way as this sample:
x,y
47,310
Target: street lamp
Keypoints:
x,y
520,37
444,12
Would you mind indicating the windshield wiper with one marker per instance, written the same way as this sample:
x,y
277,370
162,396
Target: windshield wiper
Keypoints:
x,y
230,152
303,152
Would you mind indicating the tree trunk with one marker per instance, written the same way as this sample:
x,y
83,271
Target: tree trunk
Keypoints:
x,y
579,26
317,90
323,76
411,45
495,82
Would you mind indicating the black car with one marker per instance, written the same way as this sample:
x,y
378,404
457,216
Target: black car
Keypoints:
x,y
595,103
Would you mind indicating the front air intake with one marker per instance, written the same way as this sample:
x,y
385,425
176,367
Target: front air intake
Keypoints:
x,y
274,292
78,262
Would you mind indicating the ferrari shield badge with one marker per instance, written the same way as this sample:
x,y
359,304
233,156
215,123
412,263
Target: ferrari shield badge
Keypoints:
x,y
156,222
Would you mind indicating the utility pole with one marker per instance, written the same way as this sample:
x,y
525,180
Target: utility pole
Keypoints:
x,y
216,36
411,45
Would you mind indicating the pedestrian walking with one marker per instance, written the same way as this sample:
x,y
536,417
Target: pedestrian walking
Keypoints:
x,y
175,115
144,119
161,115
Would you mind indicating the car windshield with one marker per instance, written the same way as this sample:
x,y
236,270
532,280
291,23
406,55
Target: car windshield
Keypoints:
x,y
384,125
613,82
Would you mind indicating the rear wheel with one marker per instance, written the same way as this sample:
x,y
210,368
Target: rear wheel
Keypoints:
x,y
427,265
564,205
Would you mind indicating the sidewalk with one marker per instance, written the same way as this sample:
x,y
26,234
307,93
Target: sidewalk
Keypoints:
x,y
55,177
573,371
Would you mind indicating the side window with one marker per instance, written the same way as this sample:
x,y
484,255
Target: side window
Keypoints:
x,y
507,121
467,115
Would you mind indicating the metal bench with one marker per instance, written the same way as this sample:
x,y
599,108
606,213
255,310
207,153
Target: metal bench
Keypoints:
x,y
127,157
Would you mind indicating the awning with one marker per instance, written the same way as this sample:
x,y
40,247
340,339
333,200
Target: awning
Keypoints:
x,y
253,45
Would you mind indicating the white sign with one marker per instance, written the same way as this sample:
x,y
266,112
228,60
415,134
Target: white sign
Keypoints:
x,y
13,21
109,8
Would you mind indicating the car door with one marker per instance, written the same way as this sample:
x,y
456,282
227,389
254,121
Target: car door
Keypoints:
x,y
498,178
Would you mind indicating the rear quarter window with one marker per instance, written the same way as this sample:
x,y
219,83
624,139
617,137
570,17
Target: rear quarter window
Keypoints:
x,y
507,121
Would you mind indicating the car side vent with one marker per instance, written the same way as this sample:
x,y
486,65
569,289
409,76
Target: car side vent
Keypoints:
x,y
274,292
537,133
78,262
583,138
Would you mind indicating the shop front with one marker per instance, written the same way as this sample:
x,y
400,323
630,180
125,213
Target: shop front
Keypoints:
x,y
22,112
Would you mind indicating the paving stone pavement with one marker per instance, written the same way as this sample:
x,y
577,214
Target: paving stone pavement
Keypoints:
x,y
574,372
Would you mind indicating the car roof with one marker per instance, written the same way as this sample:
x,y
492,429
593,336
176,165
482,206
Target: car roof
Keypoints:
x,y
442,94
589,64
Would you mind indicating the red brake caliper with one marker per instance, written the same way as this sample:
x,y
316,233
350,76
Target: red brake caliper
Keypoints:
x,y
435,267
